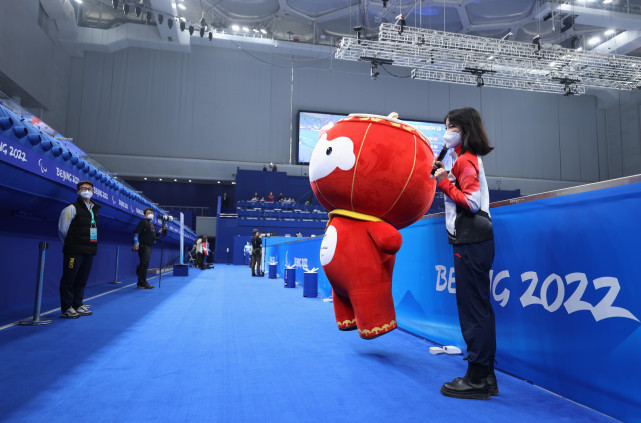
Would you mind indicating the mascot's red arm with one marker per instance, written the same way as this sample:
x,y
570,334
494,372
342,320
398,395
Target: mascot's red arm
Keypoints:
x,y
387,239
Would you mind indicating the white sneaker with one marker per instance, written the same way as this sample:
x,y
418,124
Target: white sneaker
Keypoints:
x,y
70,314
83,311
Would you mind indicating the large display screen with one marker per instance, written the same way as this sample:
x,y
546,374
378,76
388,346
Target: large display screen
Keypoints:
x,y
310,125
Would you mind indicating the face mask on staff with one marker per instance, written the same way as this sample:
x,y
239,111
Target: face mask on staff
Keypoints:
x,y
452,139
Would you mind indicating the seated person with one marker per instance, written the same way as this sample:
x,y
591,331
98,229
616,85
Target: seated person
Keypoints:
x,y
255,197
270,197
281,197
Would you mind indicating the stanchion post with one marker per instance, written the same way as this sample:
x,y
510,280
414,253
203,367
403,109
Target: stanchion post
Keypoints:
x,y
35,320
162,247
116,269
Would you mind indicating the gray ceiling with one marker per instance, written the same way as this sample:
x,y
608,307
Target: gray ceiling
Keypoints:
x,y
324,22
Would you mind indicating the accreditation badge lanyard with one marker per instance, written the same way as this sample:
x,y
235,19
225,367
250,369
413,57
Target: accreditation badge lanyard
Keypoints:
x,y
93,230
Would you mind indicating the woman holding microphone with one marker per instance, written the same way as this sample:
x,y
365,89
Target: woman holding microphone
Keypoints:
x,y
469,229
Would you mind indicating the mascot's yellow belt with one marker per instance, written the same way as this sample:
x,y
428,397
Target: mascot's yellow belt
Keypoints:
x,y
353,215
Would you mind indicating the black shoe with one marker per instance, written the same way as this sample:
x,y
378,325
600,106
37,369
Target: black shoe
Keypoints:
x,y
492,385
463,388
253,274
145,285
471,386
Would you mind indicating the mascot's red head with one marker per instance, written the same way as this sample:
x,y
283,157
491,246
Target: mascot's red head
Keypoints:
x,y
374,165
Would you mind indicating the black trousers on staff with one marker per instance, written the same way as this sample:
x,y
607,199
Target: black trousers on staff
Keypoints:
x,y
255,261
75,272
144,254
472,264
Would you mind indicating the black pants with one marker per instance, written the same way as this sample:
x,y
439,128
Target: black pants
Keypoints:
x,y
472,264
255,261
75,272
144,253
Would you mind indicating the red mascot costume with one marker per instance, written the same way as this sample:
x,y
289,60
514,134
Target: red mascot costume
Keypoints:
x,y
372,173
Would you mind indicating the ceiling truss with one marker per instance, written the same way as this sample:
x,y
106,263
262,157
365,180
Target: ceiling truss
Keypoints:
x,y
467,59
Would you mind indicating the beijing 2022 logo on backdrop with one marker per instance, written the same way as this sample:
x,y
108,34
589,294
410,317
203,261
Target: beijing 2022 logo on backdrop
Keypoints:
x,y
571,292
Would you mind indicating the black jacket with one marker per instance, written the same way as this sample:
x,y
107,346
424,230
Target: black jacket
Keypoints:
x,y
257,243
77,239
146,232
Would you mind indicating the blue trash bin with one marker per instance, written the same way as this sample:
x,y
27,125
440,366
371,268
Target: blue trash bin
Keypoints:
x,y
272,270
310,285
290,278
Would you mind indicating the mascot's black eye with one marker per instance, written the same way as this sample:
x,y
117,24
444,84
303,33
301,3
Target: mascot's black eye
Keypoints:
x,y
329,151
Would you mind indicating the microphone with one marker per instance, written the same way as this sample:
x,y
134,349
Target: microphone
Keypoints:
x,y
440,158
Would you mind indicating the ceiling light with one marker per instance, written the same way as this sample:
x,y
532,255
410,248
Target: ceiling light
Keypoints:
x,y
175,180
181,6
218,181
145,179
190,180
263,31
79,1
490,58
173,5
245,29
607,1
594,40
254,29
610,32
160,179
235,27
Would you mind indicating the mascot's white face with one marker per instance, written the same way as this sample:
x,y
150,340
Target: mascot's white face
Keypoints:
x,y
329,155
328,246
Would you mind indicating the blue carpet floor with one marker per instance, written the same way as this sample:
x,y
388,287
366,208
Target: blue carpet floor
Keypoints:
x,y
221,346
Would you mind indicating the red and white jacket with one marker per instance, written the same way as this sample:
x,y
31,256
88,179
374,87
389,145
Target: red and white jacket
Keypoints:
x,y
467,201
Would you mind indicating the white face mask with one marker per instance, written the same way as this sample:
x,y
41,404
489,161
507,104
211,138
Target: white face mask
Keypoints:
x,y
452,139
149,216
86,195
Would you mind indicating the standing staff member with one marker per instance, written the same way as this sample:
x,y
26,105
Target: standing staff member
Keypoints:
x,y
78,229
257,250
145,236
469,229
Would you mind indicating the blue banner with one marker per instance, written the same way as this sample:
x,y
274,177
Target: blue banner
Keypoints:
x,y
55,169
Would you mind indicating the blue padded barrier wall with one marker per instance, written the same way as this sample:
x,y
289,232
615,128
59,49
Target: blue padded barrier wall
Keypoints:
x,y
566,293
38,177
565,290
